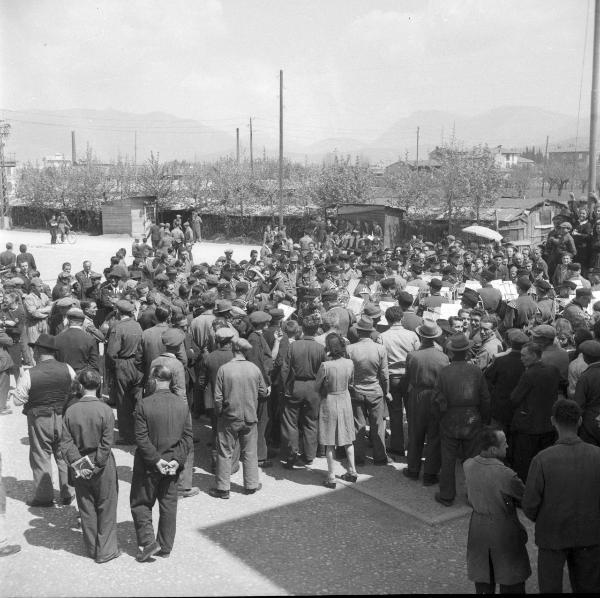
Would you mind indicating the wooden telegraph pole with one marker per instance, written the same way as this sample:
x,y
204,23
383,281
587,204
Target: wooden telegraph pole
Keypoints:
x,y
280,148
237,145
251,150
4,133
594,105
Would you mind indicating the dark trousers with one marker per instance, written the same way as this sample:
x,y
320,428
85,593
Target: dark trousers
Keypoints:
x,y
128,391
4,386
583,564
397,441
453,448
44,441
97,503
273,433
301,411
490,587
262,413
146,489
525,447
369,409
230,434
424,425
187,474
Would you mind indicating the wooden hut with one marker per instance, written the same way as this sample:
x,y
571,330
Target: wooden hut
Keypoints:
x,y
127,215
391,220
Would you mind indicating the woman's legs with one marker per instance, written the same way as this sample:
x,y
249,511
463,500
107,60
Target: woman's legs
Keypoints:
x,y
329,454
350,457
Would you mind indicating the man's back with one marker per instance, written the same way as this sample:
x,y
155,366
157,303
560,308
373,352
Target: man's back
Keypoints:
x,y
562,495
77,348
370,366
423,367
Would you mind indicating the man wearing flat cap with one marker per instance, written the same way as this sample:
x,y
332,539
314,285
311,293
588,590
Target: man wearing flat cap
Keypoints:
x,y
435,298
575,312
125,351
523,308
75,346
43,390
587,393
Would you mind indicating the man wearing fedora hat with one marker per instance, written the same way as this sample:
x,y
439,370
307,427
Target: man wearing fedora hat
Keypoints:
x,y
422,369
462,398
43,390
371,385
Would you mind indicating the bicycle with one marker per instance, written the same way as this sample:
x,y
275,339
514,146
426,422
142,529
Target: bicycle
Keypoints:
x,y
69,237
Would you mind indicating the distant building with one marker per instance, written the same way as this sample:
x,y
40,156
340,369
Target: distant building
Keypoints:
x,y
511,159
56,161
10,174
579,157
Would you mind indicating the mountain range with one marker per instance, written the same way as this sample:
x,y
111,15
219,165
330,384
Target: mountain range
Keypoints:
x,y
111,133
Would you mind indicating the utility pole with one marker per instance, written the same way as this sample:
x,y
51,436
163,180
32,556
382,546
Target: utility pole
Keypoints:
x,y
237,145
594,105
417,160
135,173
73,149
280,148
4,133
545,163
251,150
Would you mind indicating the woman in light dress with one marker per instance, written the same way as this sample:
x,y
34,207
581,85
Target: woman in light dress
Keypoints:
x,y
336,422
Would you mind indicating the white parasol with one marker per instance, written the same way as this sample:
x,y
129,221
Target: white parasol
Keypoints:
x,y
483,231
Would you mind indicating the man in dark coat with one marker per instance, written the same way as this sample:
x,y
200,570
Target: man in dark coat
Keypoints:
x,y
43,390
422,369
76,347
260,355
532,399
163,434
562,497
587,393
87,431
125,351
502,376
463,400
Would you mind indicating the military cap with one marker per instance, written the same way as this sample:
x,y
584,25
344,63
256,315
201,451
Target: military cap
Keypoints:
x,y
114,274
224,333
567,284
516,338
544,331
368,271
17,280
172,337
95,276
435,283
76,313
135,275
566,225
523,283
242,286
237,311
66,302
276,314
488,276
124,306
405,298
583,292
590,349
333,268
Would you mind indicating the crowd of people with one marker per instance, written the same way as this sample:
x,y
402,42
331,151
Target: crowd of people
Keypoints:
x,y
332,346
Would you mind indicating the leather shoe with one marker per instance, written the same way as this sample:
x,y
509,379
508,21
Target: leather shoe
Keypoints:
x,y
349,477
116,555
67,501
216,493
410,475
430,479
443,501
289,464
385,461
396,453
189,492
252,490
148,551
10,549
39,503
265,464
329,484
307,461
163,554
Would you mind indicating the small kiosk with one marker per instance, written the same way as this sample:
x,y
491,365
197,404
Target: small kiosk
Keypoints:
x,y
127,215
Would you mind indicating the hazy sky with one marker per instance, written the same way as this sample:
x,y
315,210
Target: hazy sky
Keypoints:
x,y
351,68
